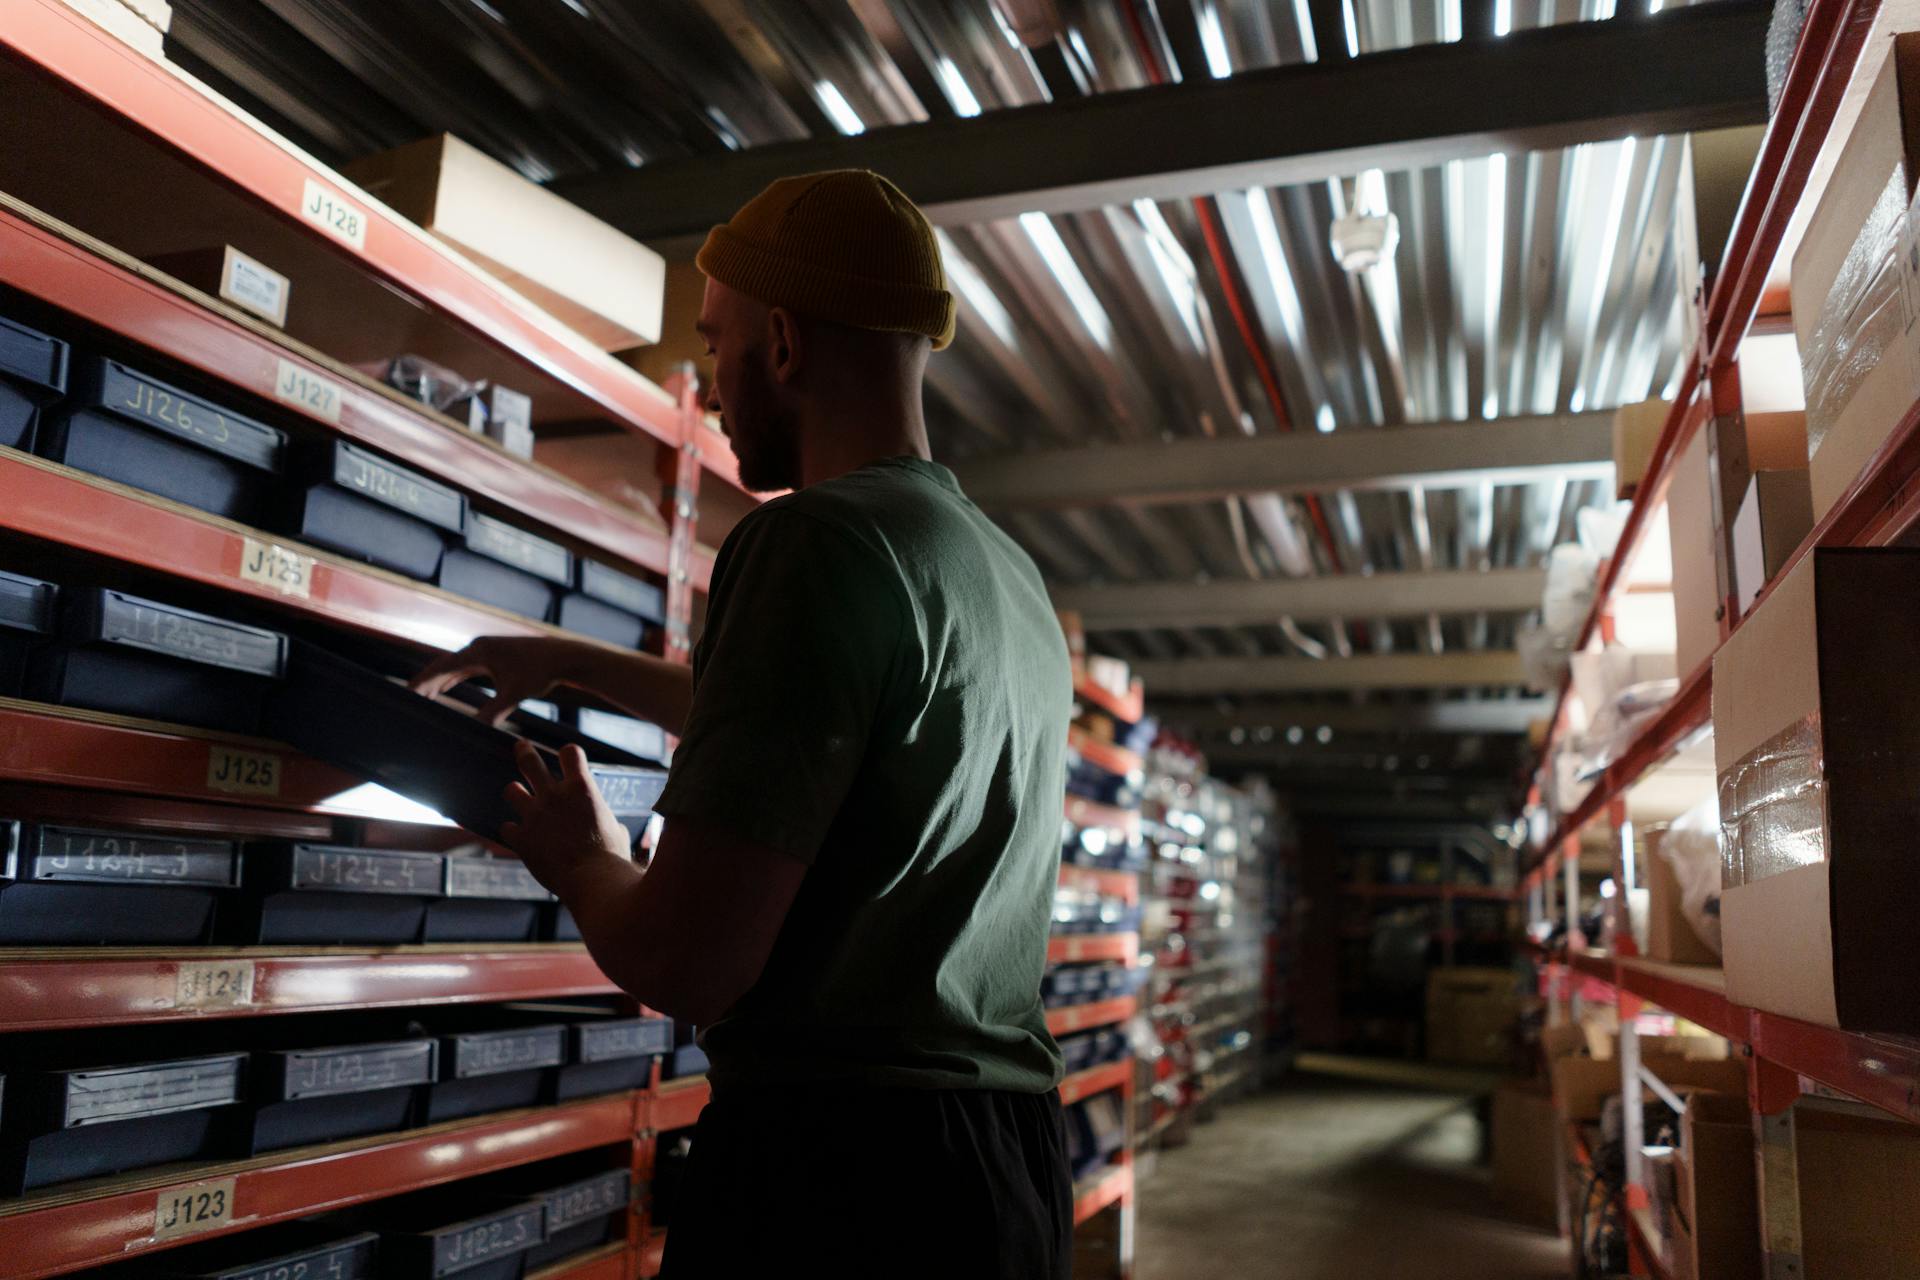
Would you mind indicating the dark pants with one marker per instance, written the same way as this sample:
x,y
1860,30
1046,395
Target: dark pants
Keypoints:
x,y
875,1182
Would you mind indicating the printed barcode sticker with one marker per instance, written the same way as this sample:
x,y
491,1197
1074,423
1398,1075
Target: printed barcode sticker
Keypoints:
x,y
332,213
304,389
213,984
277,568
242,773
186,1211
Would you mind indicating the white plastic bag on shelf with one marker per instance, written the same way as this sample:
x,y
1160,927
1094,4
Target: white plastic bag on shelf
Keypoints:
x,y
1599,528
1572,574
1692,848
1543,657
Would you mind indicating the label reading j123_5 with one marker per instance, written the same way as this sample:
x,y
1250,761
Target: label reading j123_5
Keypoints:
x,y
332,214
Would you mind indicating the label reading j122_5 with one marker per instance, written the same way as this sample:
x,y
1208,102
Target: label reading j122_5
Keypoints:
x,y
242,773
305,390
186,1211
332,214
276,567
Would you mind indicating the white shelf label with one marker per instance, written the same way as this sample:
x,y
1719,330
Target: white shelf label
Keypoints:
x,y
278,568
213,984
242,773
307,391
334,215
186,1211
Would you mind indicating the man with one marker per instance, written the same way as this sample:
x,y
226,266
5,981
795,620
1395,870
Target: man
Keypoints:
x,y
853,890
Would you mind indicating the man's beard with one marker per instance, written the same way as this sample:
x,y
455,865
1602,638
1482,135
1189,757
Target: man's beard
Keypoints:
x,y
766,441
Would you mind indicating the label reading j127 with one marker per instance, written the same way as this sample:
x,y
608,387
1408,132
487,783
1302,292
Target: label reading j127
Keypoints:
x,y
308,391
508,1233
213,984
334,215
242,773
186,1211
277,568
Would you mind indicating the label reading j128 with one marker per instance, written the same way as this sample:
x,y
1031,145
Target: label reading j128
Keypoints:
x,y
213,984
242,773
309,391
333,215
277,568
186,1211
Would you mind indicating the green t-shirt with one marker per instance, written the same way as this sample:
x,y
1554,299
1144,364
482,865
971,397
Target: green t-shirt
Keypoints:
x,y
883,691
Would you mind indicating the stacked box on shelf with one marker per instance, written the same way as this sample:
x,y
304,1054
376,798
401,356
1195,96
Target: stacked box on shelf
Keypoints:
x,y
33,375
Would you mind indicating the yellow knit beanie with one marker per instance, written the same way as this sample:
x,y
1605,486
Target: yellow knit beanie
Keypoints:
x,y
845,245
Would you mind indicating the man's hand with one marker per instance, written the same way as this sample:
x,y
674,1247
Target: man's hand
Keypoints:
x,y
518,668
566,835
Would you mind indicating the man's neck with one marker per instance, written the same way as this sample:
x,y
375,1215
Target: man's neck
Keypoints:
x,y
839,439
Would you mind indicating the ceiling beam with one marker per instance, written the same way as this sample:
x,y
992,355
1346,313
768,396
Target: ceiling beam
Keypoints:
x,y
1147,605
1688,68
1489,716
1439,455
1465,669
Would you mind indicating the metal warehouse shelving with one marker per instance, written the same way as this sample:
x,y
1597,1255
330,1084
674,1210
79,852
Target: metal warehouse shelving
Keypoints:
x,y
1787,1059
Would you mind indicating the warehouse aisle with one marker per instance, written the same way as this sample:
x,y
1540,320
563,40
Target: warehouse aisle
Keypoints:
x,y
1329,1179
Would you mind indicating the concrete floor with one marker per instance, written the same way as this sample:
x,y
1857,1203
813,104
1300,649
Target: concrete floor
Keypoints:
x,y
1335,1179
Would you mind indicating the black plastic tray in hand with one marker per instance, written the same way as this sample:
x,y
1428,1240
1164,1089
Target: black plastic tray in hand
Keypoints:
x,y
439,755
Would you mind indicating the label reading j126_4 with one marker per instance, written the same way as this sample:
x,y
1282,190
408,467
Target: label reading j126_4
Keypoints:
x,y
306,390
277,568
186,1211
334,215
242,773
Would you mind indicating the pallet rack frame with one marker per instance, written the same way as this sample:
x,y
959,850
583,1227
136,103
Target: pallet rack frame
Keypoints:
x,y
1788,1060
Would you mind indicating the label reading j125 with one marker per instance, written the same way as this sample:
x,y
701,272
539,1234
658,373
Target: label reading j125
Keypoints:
x,y
242,773
64,853
333,214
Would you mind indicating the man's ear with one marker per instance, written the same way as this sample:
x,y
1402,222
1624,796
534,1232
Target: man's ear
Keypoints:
x,y
785,346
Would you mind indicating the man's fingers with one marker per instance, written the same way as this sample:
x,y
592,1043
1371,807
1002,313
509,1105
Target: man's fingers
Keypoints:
x,y
446,671
498,708
521,799
532,767
510,833
573,763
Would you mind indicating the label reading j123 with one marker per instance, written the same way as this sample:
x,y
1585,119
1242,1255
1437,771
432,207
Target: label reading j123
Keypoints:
x,y
186,1211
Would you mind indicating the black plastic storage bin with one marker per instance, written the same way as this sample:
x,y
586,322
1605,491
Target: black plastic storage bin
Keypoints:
x,y
430,752
582,1213
360,504
490,1068
317,1248
27,613
327,1092
687,1058
623,591
443,1233
586,616
608,1053
33,374
507,567
127,426
557,924
327,895
515,547
138,657
635,737
486,899
81,887
65,1123
490,582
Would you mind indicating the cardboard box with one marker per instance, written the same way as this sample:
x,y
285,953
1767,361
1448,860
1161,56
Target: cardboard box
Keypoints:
x,y
1859,1181
1812,698
1670,935
1775,518
1581,1086
229,274
1852,277
1471,1016
1718,1199
1696,585
589,275
1524,1152
1636,429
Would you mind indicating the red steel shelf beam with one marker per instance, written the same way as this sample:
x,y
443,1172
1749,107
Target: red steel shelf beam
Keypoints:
x,y
1076,948
1100,1079
610,1263
46,990
59,505
1130,708
675,1104
38,262
161,101
1124,885
1090,813
1115,760
1081,1017
54,1233
653,1253
1104,1189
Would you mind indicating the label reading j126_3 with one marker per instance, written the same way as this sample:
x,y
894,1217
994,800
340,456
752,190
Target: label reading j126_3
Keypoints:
x,y
334,215
307,390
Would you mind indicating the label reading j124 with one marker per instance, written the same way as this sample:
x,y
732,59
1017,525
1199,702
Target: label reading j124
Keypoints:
x,y
186,1211
277,568
213,984
309,391
333,215
242,773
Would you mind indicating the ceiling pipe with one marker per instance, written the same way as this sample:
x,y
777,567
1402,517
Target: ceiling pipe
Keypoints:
x,y
1036,22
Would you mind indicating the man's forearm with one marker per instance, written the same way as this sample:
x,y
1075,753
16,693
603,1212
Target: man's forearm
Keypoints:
x,y
651,688
649,958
